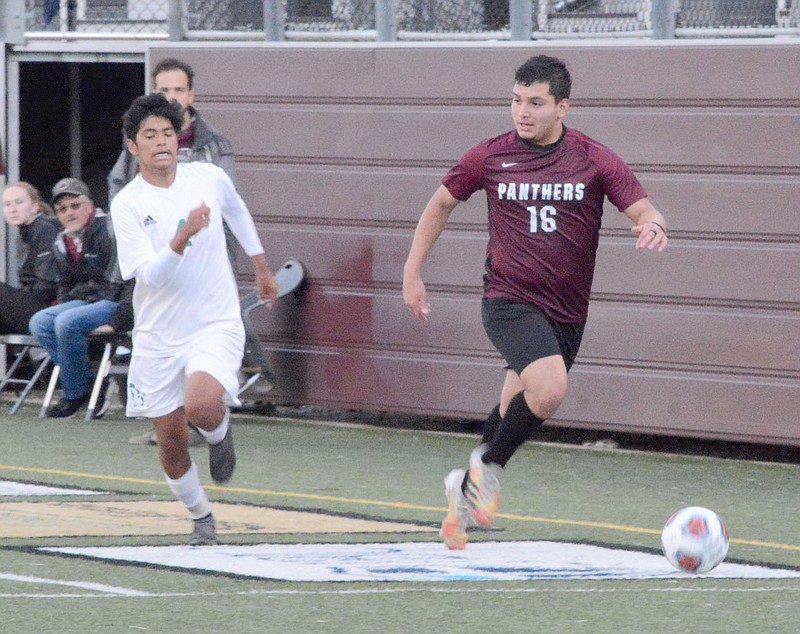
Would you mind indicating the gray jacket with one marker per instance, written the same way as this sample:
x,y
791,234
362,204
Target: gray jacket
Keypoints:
x,y
209,147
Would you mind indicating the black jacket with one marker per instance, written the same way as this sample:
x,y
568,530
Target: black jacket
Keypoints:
x,y
92,278
38,273
122,317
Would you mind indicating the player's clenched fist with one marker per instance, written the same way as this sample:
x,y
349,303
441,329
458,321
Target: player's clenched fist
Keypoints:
x,y
197,219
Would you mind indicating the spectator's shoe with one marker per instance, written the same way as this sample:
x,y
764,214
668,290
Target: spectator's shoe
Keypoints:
x,y
103,399
204,533
222,458
454,526
196,439
147,438
482,491
255,381
66,407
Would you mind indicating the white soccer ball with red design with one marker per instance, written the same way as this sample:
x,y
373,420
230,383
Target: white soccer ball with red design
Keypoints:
x,y
695,540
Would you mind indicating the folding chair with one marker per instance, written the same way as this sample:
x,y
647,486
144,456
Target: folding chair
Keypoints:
x,y
24,343
106,367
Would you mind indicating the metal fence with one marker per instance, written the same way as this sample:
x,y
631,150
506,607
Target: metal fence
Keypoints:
x,y
408,19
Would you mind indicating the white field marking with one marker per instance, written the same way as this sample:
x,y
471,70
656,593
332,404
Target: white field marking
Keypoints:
x,y
88,585
402,590
418,562
13,489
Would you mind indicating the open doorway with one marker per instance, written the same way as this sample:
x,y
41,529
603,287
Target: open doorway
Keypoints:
x,y
71,120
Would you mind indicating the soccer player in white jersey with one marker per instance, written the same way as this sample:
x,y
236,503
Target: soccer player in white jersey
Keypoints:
x,y
545,185
188,337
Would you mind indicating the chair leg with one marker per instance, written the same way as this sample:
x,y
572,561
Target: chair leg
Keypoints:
x,y
9,377
102,371
51,388
29,385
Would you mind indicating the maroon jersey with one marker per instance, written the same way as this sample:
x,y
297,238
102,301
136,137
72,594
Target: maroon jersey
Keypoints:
x,y
544,216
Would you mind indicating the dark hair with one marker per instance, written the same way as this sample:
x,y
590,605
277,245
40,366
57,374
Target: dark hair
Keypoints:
x,y
171,63
546,70
154,104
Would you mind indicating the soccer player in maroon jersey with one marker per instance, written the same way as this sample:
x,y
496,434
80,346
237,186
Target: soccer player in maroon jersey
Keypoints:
x,y
545,185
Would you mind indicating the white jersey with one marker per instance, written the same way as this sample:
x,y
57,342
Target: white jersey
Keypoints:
x,y
178,297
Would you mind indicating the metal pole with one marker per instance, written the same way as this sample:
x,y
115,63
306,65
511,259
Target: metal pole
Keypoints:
x,y
76,126
63,15
9,93
520,15
175,20
662,15
386,20
12,21
274,25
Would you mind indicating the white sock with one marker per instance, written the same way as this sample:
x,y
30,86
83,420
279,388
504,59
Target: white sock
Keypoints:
x,y
217,435
188,490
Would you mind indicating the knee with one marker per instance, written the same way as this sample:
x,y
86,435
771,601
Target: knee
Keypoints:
x,y
202,411
36,324
545,400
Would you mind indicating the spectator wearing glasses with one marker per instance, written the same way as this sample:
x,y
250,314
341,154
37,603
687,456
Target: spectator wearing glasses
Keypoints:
x,y
85,258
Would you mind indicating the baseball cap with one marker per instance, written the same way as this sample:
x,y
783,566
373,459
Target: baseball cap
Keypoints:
x,y
71,186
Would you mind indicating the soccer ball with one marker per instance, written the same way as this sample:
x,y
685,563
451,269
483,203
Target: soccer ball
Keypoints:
x,y
695,540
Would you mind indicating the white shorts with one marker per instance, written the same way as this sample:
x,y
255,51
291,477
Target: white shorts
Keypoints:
x,y
156,386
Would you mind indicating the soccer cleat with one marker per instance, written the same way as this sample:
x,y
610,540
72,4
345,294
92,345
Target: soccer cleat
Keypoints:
x,y
454,526
482,491
222,458
204,533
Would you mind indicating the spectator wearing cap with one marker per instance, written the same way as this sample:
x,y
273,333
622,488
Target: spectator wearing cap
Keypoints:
x,y
86,261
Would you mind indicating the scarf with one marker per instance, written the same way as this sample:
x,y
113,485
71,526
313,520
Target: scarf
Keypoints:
x,y
74,242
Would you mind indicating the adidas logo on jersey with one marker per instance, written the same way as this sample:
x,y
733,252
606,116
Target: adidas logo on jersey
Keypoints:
x,y
149,220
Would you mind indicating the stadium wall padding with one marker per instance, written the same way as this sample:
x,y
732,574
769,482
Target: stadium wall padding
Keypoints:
x,y
339,147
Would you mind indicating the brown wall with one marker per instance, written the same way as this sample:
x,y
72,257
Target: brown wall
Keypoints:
x,y
338,149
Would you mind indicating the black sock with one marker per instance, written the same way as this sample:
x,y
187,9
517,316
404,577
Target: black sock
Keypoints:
x,y
513,431
490,426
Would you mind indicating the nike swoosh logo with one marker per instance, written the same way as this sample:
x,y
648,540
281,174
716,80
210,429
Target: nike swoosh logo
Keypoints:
x,y
508,164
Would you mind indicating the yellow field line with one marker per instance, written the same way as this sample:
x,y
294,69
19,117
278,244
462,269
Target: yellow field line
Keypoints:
x,y
397,505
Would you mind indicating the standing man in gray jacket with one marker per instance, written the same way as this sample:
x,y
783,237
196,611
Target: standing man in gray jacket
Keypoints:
x,y
197,142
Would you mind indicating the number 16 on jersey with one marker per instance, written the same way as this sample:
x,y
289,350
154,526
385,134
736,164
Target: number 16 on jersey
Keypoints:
x,y
543,219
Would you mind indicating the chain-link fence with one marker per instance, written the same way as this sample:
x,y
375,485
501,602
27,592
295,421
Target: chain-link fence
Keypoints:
x,y
412,19
84,17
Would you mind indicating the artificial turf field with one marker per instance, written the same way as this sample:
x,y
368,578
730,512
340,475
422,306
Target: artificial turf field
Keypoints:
x,y
327,492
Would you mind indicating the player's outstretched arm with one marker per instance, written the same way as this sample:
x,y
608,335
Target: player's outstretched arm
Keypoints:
x,y
650,227
429,227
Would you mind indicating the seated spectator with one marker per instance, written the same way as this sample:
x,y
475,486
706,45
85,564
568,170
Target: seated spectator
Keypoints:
x,y
86,260
24,209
